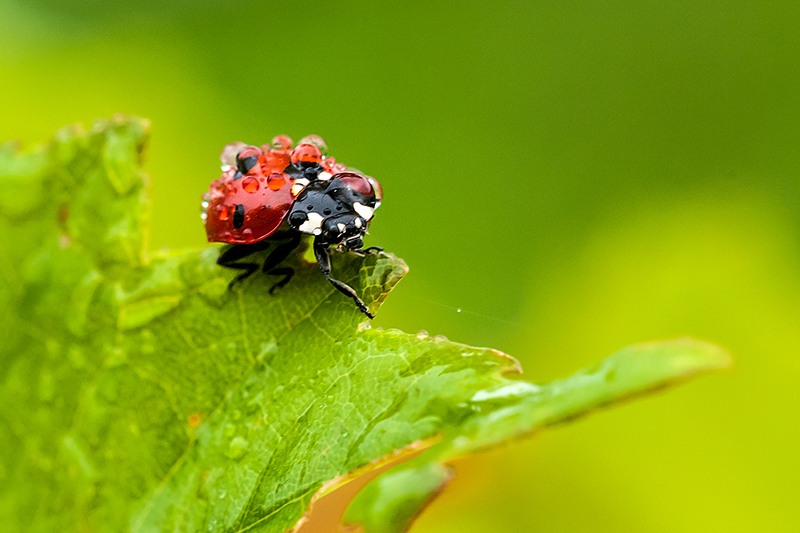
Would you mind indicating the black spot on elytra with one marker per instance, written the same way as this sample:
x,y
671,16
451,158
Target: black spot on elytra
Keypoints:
x,y
244,164
238,216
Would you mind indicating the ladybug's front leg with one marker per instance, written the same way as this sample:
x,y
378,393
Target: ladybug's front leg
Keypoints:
x,y
372,250
324,261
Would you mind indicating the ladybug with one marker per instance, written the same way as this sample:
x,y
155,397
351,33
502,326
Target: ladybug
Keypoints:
x,y
269,196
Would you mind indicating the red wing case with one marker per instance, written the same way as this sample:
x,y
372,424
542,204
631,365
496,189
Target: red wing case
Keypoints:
x,y
246,208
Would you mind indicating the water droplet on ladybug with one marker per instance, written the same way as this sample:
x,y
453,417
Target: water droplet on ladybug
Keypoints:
x,y
250,184
223,213
376,187
275,161
275,181
317,141
228,154
281,142
331,166
306,153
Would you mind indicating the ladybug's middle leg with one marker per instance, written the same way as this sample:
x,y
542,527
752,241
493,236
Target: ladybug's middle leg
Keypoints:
x,y
231,255
277,256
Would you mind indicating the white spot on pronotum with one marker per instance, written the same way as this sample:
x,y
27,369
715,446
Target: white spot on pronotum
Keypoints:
x,y
312,225
324,176
298,186
363,210
340,226
358,222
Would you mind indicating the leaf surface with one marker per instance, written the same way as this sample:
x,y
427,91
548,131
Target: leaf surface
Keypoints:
x,y
140,393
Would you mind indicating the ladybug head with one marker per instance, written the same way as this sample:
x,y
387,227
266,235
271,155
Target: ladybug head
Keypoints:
x,y
337,211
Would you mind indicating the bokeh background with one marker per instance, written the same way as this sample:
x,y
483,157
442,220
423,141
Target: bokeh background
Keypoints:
x,y
564,178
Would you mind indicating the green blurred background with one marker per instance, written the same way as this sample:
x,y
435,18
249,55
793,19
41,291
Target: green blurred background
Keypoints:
x,y
572,176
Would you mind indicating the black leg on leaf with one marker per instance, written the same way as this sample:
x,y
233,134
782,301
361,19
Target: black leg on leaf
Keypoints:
x,y
286,272
372,250
324,261
278,256
231,257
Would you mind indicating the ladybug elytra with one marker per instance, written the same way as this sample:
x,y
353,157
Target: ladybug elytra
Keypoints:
x,y
270,196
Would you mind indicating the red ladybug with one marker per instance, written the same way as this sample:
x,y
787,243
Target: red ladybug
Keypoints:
x,y
270,196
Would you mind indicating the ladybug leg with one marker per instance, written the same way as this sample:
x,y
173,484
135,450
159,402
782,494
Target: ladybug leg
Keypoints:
x,y
324,261
229,258
372,250
276,257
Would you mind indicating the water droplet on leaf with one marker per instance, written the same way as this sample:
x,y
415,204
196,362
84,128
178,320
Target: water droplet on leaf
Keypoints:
x,y
238,448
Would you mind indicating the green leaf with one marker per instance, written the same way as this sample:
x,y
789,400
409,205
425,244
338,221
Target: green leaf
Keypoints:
x,y
515,408
139,392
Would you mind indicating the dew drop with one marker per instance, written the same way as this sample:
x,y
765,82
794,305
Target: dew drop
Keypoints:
x,y
275,181
228,155
281,142
422,334
275,161
238,448
250,184
315,140
306,153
